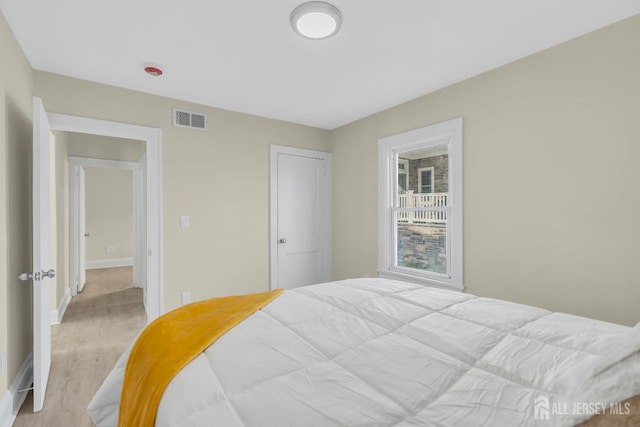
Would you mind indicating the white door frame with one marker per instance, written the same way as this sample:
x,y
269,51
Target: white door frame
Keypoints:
x,y
77,204
78,252
140,208
275,150
153,141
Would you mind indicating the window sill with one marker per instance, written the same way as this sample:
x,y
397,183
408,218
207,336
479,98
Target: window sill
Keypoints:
x,y
424,281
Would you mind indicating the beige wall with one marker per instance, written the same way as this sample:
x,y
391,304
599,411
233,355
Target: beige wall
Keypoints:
x,y
105,147
550,172
219,178
16,88
109,213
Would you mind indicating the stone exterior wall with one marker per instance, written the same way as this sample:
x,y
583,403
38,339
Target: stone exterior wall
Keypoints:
x,y
423,247
440,165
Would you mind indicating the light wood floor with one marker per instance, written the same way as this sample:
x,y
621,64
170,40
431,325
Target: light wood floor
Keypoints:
x,y
97,327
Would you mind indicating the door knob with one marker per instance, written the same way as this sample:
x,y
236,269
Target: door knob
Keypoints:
x,y
50,274
30,276
282,241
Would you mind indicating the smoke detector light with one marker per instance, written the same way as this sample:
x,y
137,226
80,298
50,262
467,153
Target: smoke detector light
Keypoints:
x,y
153,71
316,20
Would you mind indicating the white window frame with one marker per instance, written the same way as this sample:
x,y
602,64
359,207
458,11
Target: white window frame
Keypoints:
x,y
450,133
433,179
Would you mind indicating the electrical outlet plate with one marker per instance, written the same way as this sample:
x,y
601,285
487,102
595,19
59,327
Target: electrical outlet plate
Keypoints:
x,y
4,361
186,298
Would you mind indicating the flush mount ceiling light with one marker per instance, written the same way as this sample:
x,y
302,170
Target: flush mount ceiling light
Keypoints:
x,y
316,20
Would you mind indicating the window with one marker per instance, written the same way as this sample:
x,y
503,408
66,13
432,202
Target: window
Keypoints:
x,y
403,180
420,193
425,176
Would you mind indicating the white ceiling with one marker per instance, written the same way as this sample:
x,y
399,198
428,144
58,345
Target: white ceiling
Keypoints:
x,y
244,56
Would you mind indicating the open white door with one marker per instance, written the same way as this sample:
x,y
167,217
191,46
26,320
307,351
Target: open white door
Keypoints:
x,y
42,271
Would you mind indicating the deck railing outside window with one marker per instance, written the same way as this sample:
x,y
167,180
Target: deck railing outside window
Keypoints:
x,y
422,200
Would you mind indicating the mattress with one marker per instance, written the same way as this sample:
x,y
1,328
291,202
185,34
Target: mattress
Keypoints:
x,y
376,352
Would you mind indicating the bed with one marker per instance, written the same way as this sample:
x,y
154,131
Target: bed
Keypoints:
x,y
376,352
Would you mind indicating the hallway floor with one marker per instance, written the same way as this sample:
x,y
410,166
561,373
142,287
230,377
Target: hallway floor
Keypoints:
x,y
98,325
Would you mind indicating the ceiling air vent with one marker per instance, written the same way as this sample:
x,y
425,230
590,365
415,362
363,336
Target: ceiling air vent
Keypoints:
x,y
189,119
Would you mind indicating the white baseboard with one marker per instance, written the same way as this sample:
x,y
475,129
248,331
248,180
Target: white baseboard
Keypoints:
x,y
6,404
57,315
14,398
109,263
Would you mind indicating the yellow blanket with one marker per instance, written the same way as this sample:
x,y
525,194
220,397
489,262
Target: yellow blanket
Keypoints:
x,y
170,342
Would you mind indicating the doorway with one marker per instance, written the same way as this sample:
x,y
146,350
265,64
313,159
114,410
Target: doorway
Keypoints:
x,y
119,217
152,139
300,217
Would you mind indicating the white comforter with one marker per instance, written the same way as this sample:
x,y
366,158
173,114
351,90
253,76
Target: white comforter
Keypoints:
x,y
374,352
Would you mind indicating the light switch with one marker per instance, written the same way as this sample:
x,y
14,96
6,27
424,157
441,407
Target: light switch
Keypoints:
x,y
184,221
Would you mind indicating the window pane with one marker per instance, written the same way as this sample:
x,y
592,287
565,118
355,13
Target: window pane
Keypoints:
x,y
402,183
422,245
426,177
427,171
422,230
425,180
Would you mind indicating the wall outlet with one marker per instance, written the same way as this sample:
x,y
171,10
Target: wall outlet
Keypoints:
x,y
4,361
186,298
110,249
